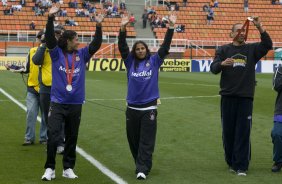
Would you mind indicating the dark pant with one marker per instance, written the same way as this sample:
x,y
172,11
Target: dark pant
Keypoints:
x,y
144,23
59,113
276,135
45,105
141,128
236,117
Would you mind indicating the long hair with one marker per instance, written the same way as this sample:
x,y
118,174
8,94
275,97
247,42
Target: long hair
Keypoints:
x,y
148,53
67,35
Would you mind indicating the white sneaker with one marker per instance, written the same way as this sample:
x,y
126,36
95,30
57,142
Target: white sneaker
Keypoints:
x,y
48,175
68,173
241,173
60,149
141,176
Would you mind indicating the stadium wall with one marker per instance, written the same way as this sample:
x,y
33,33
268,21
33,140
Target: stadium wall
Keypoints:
x,y
169,65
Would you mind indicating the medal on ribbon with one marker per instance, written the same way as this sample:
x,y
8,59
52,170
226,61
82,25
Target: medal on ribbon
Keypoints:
x,y
69,73
246,25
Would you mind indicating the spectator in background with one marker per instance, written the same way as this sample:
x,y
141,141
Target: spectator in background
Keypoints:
x,y
79,12
122,5
210,16
115,9
246,6
86,13
39,11
73,4
86,4
70,22
83,4
23,2
152,17
185,3
17,7
206,8
150,10
32,25
92,9
176,7
216,4
163,24
6,11
132,20
4,2
180,28
157,22
64,13
56,23
144,18
106,4
212,3
168,5
109,10
92,17
11,11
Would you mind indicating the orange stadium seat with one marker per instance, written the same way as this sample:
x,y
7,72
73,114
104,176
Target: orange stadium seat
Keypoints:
x,y
26,15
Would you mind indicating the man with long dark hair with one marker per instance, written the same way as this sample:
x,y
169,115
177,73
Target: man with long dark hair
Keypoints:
x,y
142,95
67,91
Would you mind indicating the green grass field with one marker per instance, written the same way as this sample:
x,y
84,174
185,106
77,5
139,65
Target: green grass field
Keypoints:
x,y
188,149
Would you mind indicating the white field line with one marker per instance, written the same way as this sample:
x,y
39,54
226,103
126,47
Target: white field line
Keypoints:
x,y
85,155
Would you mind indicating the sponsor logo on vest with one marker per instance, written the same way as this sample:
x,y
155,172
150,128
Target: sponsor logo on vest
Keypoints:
x,y
142,74
77,70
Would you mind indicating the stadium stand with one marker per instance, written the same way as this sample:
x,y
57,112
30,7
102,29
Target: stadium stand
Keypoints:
x,y
228,13
20,20
201,38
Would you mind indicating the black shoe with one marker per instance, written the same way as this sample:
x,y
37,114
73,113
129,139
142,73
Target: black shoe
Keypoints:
x,y
276,167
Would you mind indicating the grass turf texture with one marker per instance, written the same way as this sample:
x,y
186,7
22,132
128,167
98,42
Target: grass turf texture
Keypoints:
x,y
188,148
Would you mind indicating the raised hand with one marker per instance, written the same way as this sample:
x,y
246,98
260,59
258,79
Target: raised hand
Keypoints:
x,y
256,21
55,9
172,19
99,18
124,21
